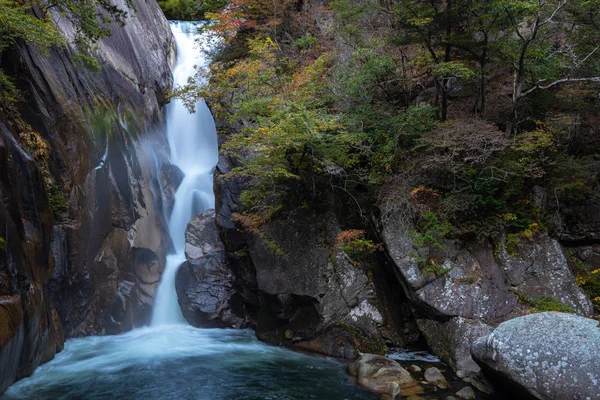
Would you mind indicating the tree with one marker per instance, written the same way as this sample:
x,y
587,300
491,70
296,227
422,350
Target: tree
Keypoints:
x,y
32,22
546,48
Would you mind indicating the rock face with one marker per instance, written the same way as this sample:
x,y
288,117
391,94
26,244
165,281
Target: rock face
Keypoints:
x,y
80,209
551,355
478,287
382,375
296,287
205,283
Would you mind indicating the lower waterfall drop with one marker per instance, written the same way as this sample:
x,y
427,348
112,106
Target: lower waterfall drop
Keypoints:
x,y
192,138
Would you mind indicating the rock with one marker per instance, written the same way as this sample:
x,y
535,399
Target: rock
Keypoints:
x,y
478,289
381,375
466,393
205,283
550,355
482,384
452,340
74,218
434,376
415,369
290,277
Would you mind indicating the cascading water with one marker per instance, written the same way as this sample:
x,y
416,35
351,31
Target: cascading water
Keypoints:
x,y
171,359
193,140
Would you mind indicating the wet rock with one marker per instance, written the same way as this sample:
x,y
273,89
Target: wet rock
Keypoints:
x,y
205,283
382,375
73,219
452,340
550,355
415,369
482,384
434,376
11,339
466,393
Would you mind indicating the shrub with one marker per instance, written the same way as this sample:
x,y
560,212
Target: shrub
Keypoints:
x,y
354,243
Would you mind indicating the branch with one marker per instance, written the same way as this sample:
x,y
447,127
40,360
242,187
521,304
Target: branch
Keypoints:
x,y
557,82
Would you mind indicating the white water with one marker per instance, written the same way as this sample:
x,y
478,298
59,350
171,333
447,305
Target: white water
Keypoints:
x,y
193,141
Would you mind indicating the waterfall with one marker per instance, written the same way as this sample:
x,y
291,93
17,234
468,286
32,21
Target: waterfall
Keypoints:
x,y
193,141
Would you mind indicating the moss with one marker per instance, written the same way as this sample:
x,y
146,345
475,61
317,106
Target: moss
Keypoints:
x,y
543,304
469,279
362,342
57,199
512,244
274,247
2,243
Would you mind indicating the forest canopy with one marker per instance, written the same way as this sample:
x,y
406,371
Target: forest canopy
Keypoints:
x,y
485,113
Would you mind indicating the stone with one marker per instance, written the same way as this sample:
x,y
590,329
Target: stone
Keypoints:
x,y
205,283
478,290
466,393
415,369
550,355
434,376
381,375
452,340
290,277
481,383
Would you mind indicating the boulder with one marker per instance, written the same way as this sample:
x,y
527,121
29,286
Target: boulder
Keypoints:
x,y
466,393
205,283
550,355
435,377
477,287
382,375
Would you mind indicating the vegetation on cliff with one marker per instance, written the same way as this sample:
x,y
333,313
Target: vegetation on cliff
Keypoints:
x,y
490,108
34,23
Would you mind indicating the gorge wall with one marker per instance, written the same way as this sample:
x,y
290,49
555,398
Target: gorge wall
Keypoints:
x,y
81,207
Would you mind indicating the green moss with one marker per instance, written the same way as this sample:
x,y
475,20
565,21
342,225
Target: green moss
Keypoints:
x,y
274,247
469,279
512,244
57,199
362,342
543,304
550,304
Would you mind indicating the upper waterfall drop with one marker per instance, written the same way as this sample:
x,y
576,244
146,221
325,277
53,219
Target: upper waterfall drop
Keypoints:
x,y
192,139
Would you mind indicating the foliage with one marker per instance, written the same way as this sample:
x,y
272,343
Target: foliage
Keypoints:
x,y
57,199
544,303
190,9
33,21
2,243
354,243
429,235
486,106
588,279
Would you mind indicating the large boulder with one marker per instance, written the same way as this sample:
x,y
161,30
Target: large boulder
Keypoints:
x,y
205,283
383,375
551,355
477,286
297,287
